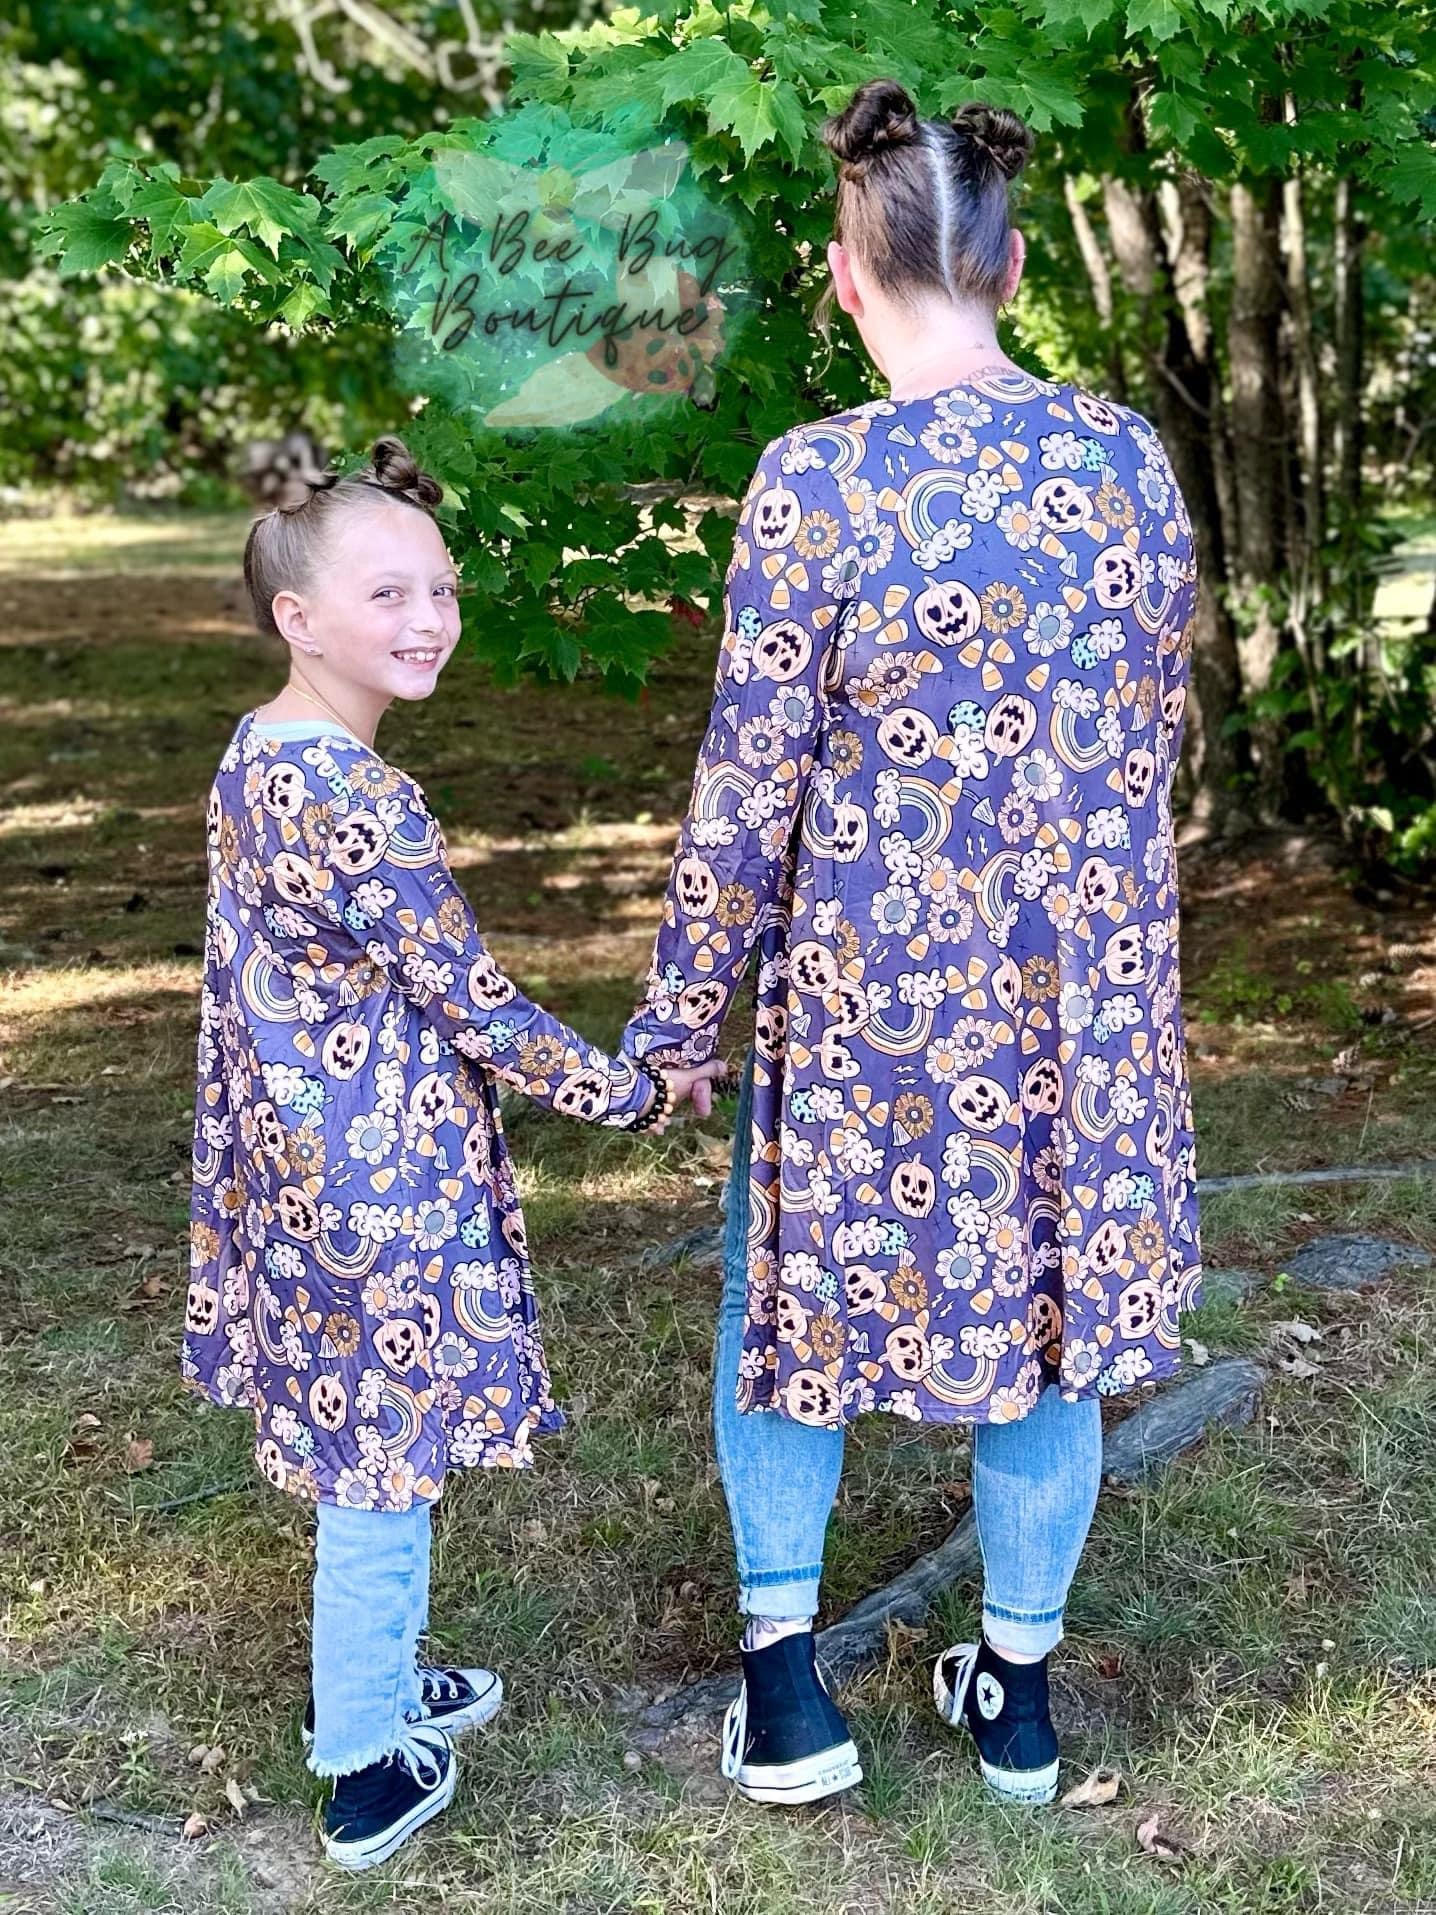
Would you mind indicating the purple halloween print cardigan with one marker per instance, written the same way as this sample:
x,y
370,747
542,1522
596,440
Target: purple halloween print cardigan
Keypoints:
x,y
933,805
360,1274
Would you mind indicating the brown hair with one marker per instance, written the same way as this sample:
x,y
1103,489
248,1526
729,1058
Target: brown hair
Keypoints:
x,y
285,543
924,203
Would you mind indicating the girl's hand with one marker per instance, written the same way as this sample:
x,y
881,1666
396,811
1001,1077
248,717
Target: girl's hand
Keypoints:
x,y
696,1084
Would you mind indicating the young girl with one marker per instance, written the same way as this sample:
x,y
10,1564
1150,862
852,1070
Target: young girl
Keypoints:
x,y
359,1262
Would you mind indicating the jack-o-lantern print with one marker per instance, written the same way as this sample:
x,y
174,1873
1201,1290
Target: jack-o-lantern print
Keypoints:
x,y
358,1249
969,1099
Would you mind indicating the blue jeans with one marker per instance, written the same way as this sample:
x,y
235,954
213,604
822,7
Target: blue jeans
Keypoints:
x,y
1034,1482
371,1604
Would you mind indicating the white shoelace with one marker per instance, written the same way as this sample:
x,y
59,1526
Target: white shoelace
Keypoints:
x,y
437,1685
735,1733
418,1755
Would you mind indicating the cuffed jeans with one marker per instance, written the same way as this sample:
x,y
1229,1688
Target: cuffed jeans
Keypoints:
x,y
371,1604
1034,1482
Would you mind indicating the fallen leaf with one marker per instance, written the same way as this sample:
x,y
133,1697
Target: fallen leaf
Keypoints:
x,y
234,1795
1109,1668
139,1453
1298,1331
195,1826
1296,1365
1095,1791
86,1421
717,1151
212,1759
197,1754
1152,1840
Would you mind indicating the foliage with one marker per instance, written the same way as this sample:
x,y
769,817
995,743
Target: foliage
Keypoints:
x,y
1166,105
109,385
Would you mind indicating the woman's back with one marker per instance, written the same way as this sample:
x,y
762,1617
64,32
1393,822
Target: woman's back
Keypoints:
x,y
972,1169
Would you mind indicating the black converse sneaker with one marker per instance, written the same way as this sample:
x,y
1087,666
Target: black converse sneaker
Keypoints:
x,y
374,1810
455,1699
1003,1706
784,1739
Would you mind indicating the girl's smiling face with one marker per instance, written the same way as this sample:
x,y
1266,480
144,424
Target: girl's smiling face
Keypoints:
x,y
379,618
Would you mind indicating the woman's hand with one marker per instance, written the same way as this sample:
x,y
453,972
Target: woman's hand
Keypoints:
x,y
696,1084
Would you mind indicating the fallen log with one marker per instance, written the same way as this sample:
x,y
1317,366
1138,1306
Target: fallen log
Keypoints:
x,y
1222,1396
1348,1174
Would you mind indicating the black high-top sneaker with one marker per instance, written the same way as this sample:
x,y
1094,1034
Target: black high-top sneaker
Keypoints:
x,y
374,1810
784,1739
456,1699
1003,1706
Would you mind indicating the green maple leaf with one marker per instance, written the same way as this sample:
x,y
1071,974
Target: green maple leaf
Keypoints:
x,y
205,246
1411,176
539,65
757,112
225,274
1156,19
302,305
269,210
699,71
166,211
84,238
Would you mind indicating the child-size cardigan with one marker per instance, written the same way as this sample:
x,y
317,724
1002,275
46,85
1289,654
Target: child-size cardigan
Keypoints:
x,y
934,796
359,1265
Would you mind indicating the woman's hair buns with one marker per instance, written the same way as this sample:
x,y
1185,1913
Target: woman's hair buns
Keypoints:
x,y
1000,134
880,114
925,205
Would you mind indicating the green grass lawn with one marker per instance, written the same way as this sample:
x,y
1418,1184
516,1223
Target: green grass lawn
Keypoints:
x,y
1252,1638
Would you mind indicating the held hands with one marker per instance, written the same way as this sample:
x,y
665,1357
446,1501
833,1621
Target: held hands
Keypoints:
x,y
696,1084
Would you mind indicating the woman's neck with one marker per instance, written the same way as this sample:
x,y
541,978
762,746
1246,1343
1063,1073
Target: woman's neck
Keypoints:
x,y
917,369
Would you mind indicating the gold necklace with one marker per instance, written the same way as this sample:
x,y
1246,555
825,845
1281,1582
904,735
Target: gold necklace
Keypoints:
x,y
314,698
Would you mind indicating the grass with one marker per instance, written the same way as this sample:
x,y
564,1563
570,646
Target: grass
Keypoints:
x,y
1252,1638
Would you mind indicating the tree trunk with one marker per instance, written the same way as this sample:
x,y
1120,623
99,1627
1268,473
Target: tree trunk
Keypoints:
x,y
1099,278
1306,488
1350,377
1307,525
1182,389
1258,437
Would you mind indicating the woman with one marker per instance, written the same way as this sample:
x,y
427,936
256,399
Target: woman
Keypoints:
x,y
935,794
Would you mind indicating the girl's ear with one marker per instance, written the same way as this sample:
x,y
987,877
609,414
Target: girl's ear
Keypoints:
x,y
293,621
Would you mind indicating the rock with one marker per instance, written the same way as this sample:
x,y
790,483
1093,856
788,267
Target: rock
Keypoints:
x,y
1228,1286
1352,1262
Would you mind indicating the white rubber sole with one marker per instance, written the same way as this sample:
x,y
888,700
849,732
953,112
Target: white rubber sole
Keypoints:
x,y
473,1715
1032,1787
806,1781
368,1854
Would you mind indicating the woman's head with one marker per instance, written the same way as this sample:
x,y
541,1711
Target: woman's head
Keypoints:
x,y
353,574
922,216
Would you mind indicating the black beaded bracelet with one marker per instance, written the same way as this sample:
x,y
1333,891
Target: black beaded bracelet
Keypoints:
x,y
662,1101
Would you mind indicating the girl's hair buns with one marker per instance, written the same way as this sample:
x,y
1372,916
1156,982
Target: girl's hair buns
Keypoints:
x,y
285,543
